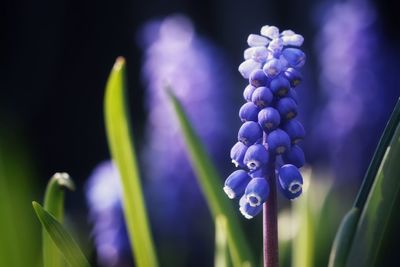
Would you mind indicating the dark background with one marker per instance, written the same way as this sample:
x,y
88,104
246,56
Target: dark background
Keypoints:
x,y
55,57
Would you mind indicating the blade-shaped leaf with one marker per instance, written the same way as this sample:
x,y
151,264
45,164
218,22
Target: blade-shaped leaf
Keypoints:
x,y
344,237
61,238
221,258
122,150
54,204
18,186
379,208
212,188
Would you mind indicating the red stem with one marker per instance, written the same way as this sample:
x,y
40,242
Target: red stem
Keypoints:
x,y
270,222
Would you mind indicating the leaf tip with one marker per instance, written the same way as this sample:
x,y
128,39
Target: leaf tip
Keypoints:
x,y
64,180
119,63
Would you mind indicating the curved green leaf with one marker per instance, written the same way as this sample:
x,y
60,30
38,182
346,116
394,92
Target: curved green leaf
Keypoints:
x,y
343,239
212,188
61,238
379,208
54,204
122,150
221,257
346,237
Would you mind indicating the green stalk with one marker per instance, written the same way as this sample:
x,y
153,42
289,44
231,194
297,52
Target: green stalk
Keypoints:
x,y
54,204
122,150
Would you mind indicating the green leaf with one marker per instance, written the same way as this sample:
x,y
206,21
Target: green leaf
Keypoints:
x,y
344,237
221,247
18,186
378,157
379,208
61,238
212,188
54,204
122,150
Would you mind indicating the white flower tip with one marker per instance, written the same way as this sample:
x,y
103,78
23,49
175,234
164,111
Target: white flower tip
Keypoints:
x,y
257,40
229,192
295,187
235,163
245,214
251,203
271,32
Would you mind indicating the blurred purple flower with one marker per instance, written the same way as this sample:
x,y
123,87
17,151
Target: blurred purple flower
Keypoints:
x,y
351,62
194,69
103,195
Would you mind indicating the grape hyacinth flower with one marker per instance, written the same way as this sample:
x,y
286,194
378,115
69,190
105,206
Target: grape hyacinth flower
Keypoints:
x,y
270,133
103,196
176,56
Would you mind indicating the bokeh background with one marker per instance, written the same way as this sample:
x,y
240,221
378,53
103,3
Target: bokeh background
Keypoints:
x,y
55,57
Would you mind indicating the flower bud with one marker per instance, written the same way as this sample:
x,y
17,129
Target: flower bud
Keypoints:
x,y
248,92
278,141
257,53
237,154
292,39
257,40
248,66
249,133
294,156
295,130
262,97
269,119
258,78
257,192
279,86
272,68
256,156
248,112
293,76
287,108
248,211
293,95
276,46
271,32
295,57
236,183
290,181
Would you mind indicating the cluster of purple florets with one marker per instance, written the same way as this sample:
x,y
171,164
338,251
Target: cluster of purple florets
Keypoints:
x,y
268,139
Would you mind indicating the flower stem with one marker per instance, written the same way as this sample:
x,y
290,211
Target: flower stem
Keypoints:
x,y
270,221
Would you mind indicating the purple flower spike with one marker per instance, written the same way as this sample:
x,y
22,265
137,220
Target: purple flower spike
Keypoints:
x,y
258,78
238,152
294,156
256,156
257,192
295,130
290,181
248,112
278,142
287,108
262,97
247,210
280,86
271,67
249,133
269,119
236,183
